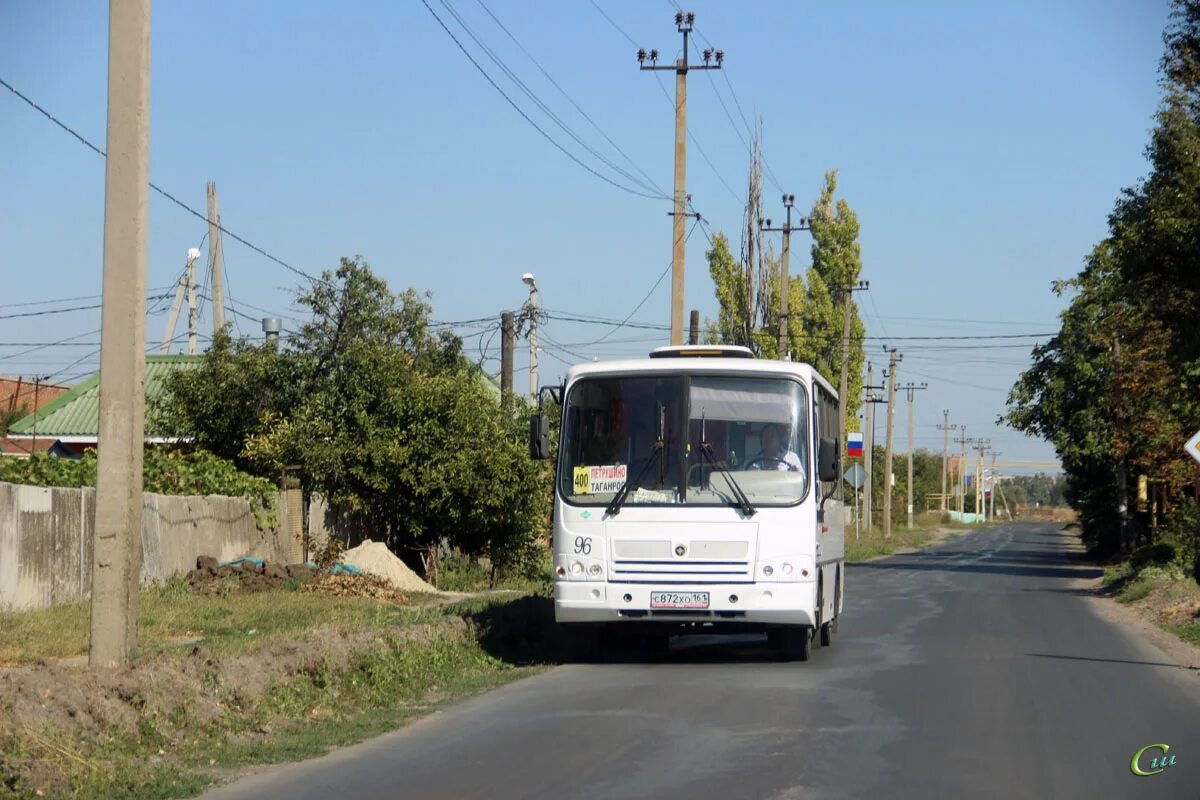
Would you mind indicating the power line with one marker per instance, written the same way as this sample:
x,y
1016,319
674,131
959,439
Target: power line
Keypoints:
x,y
540,104
648,294
51,311
160,190
525,116
571,100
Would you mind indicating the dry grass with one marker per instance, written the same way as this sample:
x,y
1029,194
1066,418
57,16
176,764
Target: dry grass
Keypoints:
x,y
172,615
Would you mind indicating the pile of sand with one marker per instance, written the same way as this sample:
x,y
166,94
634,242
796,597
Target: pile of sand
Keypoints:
x,y
374,558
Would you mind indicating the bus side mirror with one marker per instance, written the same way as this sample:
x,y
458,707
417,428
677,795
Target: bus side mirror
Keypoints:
x,y
539,437
827,466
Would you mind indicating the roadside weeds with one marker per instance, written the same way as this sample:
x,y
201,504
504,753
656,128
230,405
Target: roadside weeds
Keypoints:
x,y
182,717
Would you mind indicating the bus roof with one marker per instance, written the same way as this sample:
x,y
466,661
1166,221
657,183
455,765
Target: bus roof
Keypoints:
x,y
697,366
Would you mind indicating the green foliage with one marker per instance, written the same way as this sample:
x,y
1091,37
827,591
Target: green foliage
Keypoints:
x,y
748,314
1156,554
385,418
1183,533
1119,386
170,472
10,415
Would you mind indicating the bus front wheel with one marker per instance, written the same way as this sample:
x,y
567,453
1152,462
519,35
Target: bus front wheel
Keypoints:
x,y
795,643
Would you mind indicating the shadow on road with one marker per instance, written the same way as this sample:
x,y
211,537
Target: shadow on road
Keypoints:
x,y
992,566
523,633
1116,661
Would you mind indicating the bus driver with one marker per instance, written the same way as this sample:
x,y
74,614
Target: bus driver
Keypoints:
x,y
775,454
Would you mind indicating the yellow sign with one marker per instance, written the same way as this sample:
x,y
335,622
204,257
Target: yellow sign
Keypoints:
x,y
1193,446
583,480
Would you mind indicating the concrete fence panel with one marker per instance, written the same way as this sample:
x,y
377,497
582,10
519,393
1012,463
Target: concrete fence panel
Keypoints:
x,y
46,540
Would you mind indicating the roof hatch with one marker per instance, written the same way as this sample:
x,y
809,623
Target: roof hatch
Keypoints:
x,y
702,351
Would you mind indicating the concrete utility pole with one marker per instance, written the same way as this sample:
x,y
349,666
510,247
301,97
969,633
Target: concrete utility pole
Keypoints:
x,y
507,345
891,420
945,428
911,389
117,551
962,468
785,275
849,291
980,445
216,267
684,23
694,327
187,284
869,446
871,401
532,307
992,483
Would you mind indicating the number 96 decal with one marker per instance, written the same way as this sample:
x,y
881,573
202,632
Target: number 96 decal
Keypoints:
x,y
583,545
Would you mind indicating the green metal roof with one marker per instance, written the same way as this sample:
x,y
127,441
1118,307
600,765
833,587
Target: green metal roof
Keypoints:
x,y
77,413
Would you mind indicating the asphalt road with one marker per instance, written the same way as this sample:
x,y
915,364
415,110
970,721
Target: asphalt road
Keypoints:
x,y
974,669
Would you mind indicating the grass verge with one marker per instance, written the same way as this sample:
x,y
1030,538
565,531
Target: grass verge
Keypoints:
x,y
1165,595
927,529
277,676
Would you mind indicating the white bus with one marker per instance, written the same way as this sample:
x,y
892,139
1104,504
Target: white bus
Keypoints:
x,y
698,491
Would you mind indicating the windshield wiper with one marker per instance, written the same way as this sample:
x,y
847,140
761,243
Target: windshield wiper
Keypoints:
x,y
743,502
614,507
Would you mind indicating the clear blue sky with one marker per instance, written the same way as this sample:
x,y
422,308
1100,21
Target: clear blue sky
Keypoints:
x,y
982,145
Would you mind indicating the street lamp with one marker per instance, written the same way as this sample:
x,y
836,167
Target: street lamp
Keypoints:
x,y
528,280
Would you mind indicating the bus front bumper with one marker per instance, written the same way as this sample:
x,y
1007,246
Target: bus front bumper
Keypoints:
x,y
748,603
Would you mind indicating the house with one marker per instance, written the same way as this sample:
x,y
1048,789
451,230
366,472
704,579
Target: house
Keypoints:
x,y
24,447
72,420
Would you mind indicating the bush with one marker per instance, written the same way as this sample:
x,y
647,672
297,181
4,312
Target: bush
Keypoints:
x,y
1183,531
170,472
1159,553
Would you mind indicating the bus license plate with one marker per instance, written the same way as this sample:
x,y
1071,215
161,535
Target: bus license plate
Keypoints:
x,y
679,599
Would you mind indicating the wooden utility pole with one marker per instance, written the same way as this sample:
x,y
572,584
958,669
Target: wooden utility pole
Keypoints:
x,y
891,420
911,388
187,285
945,428
684,21
508,342
117,551
37,384
694,327
785,275
216,267
193,308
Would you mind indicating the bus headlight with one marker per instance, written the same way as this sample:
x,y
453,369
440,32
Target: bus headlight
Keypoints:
x,y
787,568
576,569
594,570
768,570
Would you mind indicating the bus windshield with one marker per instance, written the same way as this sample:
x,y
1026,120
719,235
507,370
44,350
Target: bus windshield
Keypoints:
x,y
691,439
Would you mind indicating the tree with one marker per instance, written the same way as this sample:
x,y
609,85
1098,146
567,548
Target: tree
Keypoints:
x,y
1118,389
383,417
836,266
748,292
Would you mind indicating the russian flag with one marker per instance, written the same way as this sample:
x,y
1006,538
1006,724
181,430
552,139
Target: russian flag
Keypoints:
x,y
854,445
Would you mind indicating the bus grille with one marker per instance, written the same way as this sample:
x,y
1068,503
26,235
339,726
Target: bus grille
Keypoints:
x,y
680,571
